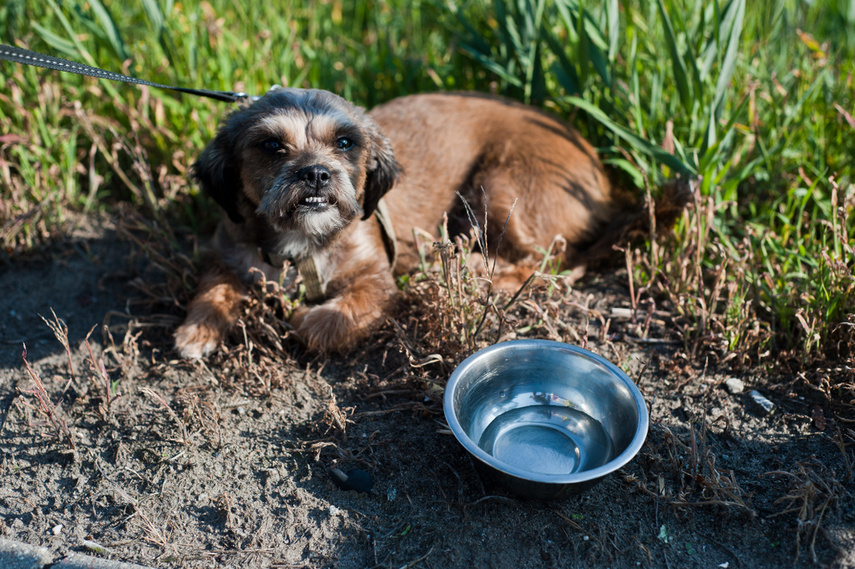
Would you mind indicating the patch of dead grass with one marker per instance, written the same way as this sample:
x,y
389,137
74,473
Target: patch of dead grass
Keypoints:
x,y
812,490
680,470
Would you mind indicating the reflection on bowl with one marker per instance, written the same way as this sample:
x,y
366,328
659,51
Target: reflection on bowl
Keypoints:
x,y
545,419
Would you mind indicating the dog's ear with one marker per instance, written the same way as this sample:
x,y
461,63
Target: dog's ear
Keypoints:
x,y
217,172
383,171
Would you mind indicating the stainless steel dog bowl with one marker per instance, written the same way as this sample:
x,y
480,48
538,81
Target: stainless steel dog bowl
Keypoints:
x,y
545,419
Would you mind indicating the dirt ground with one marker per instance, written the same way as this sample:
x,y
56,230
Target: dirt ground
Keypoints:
x,y
227,463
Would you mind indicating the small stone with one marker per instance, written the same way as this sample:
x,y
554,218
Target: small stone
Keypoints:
x,y
734,385
764,403
57,529
95,547
355,479
272,478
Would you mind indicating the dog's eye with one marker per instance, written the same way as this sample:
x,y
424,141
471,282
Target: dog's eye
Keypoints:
x,y
272,145
344,143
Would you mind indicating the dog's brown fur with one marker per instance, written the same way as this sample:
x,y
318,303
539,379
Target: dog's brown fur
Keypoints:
x,y
424,148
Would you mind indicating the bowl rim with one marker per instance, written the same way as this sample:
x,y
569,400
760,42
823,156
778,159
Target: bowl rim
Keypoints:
x,y
585,476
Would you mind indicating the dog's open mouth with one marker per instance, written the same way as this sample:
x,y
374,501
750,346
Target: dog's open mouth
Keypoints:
x,y
313,204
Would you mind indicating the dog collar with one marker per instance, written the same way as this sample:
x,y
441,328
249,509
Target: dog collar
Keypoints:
x,y
315,286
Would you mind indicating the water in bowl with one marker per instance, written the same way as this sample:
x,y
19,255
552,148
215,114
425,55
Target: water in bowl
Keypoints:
x,y
548,439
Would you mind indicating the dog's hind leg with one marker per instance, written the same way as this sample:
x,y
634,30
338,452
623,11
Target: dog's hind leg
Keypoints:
x,y
210,314
539,210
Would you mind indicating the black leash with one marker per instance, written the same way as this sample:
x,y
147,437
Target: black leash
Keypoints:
x,y
27,57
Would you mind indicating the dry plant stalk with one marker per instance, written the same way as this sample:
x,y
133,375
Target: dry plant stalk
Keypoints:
x,y
335,417
470,304
811,493
455,309
100,371
46,408
185,440
712,312
693,464
60,330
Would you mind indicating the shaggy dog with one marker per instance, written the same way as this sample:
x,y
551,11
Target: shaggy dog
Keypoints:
x,y
301,173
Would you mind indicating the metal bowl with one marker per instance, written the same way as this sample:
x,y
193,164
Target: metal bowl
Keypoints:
x,y
545,419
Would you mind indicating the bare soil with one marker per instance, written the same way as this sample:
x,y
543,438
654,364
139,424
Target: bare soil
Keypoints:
x,y
232,467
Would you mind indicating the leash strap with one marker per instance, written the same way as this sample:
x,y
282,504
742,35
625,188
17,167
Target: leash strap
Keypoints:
x,y
316,288
389,240
27,57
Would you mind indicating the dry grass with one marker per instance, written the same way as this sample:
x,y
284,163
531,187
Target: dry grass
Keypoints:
x,y
680,470
452,309
812,490
185,439
50,411
101,379
60,332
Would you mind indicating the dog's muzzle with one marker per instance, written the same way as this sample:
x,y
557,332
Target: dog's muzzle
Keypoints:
x,y
316,179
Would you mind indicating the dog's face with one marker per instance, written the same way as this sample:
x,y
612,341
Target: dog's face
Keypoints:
x,y
302,160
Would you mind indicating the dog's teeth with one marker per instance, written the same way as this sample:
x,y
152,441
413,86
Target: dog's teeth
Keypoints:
x,y
315,200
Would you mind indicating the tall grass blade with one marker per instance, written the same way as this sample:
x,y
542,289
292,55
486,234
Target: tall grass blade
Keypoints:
x,y
154,15
563,68
58,43
81,51
535,85
737,7
70,33
574,27
643,145
109,29
613,17
595,45
681,75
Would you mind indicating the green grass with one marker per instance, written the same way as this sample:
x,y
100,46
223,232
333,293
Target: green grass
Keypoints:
x,y
754,101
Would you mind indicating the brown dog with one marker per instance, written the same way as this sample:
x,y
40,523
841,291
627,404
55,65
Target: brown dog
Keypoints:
x,y
300,173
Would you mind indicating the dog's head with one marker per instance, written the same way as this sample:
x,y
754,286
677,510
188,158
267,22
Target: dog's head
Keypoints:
x,y
303,160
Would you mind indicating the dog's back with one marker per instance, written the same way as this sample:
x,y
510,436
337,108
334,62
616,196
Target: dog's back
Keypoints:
x,y
458,142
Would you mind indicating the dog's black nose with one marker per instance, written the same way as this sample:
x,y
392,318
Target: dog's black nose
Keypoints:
x,y
316,176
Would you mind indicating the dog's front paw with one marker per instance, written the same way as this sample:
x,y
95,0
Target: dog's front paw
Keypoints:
x,y
197,340
328,327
